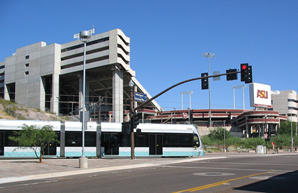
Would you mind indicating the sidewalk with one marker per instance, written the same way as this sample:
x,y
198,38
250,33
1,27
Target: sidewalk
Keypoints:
x,y
13,170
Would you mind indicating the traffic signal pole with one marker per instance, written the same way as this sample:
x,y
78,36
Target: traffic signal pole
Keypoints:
x,y
132,135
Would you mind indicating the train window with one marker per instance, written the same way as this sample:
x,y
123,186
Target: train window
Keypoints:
x,y
58,137
125,140
73,138
170,140
90,139
177,140
1,143
7,141
142,140
185,140
196,141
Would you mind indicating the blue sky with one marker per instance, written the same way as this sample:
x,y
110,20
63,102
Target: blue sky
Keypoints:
x,y
168,38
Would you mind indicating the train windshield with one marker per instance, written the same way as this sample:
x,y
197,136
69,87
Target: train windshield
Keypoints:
x,y
196,141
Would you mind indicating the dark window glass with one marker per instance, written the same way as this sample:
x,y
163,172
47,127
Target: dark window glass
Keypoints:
x,y
58,138
73,138
7,141
141,140
178,140
185,140
170,140
125,140
1,143
27,57
196,141
90,139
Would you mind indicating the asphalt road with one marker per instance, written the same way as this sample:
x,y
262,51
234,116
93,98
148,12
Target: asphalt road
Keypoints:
x,y
235,174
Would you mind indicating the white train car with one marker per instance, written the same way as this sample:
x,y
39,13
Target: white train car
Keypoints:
x,y
107,140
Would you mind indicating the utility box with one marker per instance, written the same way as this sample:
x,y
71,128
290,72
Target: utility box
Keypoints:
x,y
261,149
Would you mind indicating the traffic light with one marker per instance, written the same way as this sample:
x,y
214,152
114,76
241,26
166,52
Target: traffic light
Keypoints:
x,y
191,116
246,73
244,70
269,132
126,128
232,76
249,75
135,120
204,81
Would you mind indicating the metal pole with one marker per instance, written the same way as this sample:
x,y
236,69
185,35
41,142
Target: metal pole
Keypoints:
x,y
84,36
58,109
267,132
225,136
84,100
209,93
291,135
131,124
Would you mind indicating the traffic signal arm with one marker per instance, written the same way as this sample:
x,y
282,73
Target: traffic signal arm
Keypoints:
x,y
175,85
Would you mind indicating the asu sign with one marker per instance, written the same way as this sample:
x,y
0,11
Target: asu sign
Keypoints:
x,y
260,95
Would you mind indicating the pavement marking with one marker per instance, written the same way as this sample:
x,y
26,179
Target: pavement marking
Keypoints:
x,y
219,183
240,169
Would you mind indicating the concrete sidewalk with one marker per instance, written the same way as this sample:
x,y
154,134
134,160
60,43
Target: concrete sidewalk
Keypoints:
x,y
13,170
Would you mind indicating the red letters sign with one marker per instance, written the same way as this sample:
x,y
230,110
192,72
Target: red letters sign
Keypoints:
x,y
262,94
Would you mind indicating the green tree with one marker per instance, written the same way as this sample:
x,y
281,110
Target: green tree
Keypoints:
x,y
252,143
206,140
285,127
35,138
233,141
218,134
281,141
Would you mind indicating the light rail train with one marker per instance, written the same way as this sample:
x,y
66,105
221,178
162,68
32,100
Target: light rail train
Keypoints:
x,y
107,140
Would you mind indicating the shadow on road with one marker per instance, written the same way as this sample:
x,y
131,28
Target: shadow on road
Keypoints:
x,y
281,183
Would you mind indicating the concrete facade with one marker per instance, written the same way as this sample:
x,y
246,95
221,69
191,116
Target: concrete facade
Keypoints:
x,y
49,77
286,103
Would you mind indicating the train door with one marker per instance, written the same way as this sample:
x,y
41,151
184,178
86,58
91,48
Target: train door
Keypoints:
x,y
1,143
111,144
155,144
50,149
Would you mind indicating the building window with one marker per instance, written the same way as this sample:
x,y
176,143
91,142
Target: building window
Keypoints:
x,y
27,73
27,65
27,57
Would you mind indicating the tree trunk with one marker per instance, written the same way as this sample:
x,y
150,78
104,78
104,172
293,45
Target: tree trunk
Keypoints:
x,y
41,155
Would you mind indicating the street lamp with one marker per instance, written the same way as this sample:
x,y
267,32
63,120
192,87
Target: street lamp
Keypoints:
x,y
292,151
132,144
84,36
209,55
